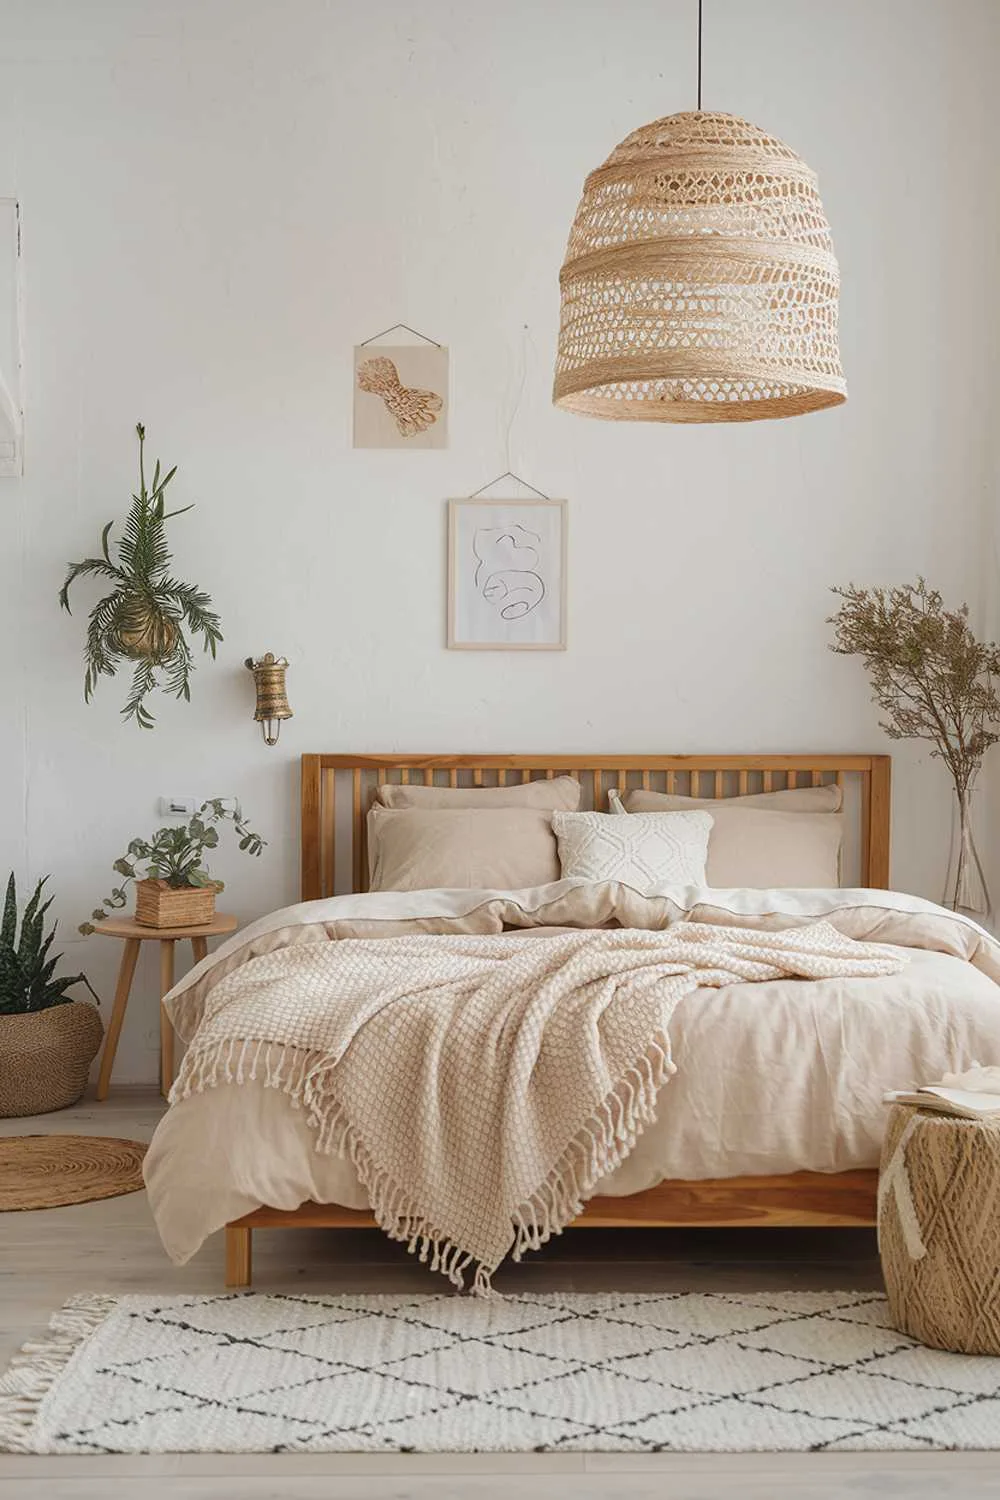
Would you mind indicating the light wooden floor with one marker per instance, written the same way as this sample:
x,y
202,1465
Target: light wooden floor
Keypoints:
x,y
112,1246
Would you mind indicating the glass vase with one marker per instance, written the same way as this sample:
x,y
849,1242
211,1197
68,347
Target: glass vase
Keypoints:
x,y
965,888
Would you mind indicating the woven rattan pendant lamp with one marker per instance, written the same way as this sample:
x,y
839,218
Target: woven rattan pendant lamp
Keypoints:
x,y
700,282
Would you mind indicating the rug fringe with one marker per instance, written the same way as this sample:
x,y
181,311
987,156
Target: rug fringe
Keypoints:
x,y
34,1370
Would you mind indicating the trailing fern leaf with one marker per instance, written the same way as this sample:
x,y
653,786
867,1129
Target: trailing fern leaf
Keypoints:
x,y
144,617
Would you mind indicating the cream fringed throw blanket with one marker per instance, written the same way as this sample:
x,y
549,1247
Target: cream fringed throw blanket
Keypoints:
x,y
482,1085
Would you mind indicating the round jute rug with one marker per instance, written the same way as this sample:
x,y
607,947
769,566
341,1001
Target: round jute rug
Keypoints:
x,y
45,1171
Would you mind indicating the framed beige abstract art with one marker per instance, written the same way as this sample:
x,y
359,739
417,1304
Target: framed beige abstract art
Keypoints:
x,y
507,575
400,396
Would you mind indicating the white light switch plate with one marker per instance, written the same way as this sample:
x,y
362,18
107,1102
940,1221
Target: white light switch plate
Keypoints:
x,y
177,807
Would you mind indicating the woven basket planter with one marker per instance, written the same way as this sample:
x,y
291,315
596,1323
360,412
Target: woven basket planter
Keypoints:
x,y
700,282
45,1057
158,904
939,1229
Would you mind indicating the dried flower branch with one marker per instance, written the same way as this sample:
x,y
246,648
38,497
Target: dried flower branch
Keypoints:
x,y
930,676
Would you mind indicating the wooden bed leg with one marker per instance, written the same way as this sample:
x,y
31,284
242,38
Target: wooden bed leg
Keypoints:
x,y
239,1255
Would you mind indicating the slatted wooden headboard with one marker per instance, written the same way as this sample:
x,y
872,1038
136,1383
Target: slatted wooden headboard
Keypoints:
x,y
338,790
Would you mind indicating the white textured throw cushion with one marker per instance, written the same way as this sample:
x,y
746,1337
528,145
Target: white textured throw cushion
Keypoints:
x,y
645,850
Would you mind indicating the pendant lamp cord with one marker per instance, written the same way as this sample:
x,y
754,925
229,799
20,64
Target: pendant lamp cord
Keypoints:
x,y
699,55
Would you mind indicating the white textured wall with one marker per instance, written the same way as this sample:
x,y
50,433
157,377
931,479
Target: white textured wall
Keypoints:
x,y
221,196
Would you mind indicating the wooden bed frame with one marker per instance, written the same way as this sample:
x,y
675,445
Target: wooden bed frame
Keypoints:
x,y
337,792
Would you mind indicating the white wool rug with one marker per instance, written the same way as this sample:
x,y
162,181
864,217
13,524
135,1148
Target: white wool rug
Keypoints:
x,y
717,1372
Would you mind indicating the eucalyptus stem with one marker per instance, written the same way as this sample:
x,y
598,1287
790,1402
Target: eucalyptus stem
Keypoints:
x,y
176,854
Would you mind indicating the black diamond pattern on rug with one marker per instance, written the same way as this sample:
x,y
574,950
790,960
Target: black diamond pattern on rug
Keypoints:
x,y
649,1372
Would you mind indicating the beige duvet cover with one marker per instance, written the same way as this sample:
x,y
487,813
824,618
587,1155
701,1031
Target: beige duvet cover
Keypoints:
x,y
771,1077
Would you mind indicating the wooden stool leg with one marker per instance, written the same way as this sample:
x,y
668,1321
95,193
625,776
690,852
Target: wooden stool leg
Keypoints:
x,y
166,1030
199,948
239,1255
130,954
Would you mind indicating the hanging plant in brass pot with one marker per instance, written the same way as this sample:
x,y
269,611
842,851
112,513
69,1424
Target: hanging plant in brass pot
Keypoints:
x,y
145,616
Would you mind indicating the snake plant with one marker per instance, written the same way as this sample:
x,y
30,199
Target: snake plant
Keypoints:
x,y
27,973
144,616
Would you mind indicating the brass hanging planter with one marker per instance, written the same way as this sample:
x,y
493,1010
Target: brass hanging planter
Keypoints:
x,y
149,617
146,633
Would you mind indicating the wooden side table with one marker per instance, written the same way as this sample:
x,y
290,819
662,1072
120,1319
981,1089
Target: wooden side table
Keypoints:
x,y
133,935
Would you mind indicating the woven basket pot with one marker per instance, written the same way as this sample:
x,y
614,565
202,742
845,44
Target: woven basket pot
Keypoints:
x,y
700,282
158,904
939,1229
45,1057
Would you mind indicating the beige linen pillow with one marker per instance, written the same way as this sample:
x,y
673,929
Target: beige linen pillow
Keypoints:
x,y
767,840
561,794
817,799
647,851
412,849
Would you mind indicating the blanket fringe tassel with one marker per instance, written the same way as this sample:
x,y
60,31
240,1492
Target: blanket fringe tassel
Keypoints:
x,y
37,1367
600,1146
597,1150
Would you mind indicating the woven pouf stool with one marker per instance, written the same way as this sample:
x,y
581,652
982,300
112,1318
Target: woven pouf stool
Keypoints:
x,y
939,1228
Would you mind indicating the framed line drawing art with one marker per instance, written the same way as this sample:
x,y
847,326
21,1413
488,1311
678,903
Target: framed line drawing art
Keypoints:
x,y
400,396
507,575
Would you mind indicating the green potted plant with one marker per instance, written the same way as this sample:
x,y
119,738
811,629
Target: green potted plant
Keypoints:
x,y
47,1039
143,618
173,886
